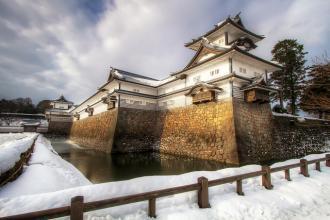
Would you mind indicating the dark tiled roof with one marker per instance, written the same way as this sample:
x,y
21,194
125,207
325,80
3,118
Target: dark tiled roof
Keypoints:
x,y
236,21
62,99
134,74
225,52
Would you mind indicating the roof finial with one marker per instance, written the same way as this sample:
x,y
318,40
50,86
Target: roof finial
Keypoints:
x,y
238,14
237,19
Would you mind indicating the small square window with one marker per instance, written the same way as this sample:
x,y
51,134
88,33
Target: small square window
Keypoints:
x,y
197,79
242,70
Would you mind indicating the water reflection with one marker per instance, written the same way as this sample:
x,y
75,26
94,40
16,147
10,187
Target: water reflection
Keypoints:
x,y
99,167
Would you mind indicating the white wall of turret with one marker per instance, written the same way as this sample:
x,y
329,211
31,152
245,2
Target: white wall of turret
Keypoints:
x,y
245,69
133,87
59,105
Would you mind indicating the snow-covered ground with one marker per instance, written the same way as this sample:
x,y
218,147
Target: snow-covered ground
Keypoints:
x,y
299,117
302,198
46,172
17,122
12,136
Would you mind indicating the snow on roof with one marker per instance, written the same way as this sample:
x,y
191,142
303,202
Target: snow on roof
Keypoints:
x,y
137,78
236,21
299,117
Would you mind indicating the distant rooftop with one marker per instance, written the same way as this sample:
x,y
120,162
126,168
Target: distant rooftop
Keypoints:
x,y
62,99
123,72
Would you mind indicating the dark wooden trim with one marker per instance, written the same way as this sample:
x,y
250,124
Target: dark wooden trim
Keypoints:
x,y
226,38
127,92
230,65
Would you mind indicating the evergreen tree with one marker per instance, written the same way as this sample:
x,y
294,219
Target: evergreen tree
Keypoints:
x,y
290,54
316,94
43,105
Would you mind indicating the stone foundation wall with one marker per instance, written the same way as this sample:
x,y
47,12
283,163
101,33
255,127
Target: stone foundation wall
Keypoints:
x,y
137,130
230,131
253,127
264,137
203,131
293,137
59,128
96,132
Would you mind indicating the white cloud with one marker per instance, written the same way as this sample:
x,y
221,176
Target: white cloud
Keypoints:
x,y
54,47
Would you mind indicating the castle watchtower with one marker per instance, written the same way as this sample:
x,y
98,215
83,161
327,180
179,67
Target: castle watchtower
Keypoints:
x,y
59,116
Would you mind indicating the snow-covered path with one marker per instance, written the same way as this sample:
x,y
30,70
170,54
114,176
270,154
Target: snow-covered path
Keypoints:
x,y
45,172
302,198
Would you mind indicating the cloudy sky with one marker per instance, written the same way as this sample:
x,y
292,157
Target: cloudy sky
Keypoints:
x,y
48,48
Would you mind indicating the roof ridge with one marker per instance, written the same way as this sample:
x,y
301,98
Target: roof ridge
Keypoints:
x,y
219,25
135,74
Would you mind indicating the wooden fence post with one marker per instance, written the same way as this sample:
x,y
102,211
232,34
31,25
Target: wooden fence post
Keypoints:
x,y
152,208
318,166
327,162
239,187
287,174
304,167
203,193
266,178
77,208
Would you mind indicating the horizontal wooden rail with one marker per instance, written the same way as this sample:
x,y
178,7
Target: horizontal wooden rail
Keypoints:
x,y
285,167
231,179
78,206
90,206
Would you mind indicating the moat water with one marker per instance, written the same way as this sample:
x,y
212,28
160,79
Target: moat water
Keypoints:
x,y
99,167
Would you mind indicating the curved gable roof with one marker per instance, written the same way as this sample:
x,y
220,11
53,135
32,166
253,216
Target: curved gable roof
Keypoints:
x,y
236,22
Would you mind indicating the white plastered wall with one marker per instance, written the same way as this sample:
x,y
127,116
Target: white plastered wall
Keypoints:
x,y
251,70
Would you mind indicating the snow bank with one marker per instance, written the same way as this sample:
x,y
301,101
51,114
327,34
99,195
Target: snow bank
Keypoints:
x,y
299,118
11,137
45,172
10,151
302,198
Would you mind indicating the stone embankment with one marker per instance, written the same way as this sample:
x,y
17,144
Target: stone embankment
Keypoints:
x,y
230,131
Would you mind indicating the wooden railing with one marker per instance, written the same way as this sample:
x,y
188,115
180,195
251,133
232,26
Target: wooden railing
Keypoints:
x,y
78,206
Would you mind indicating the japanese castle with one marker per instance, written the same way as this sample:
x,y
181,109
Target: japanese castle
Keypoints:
x,y
221,68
